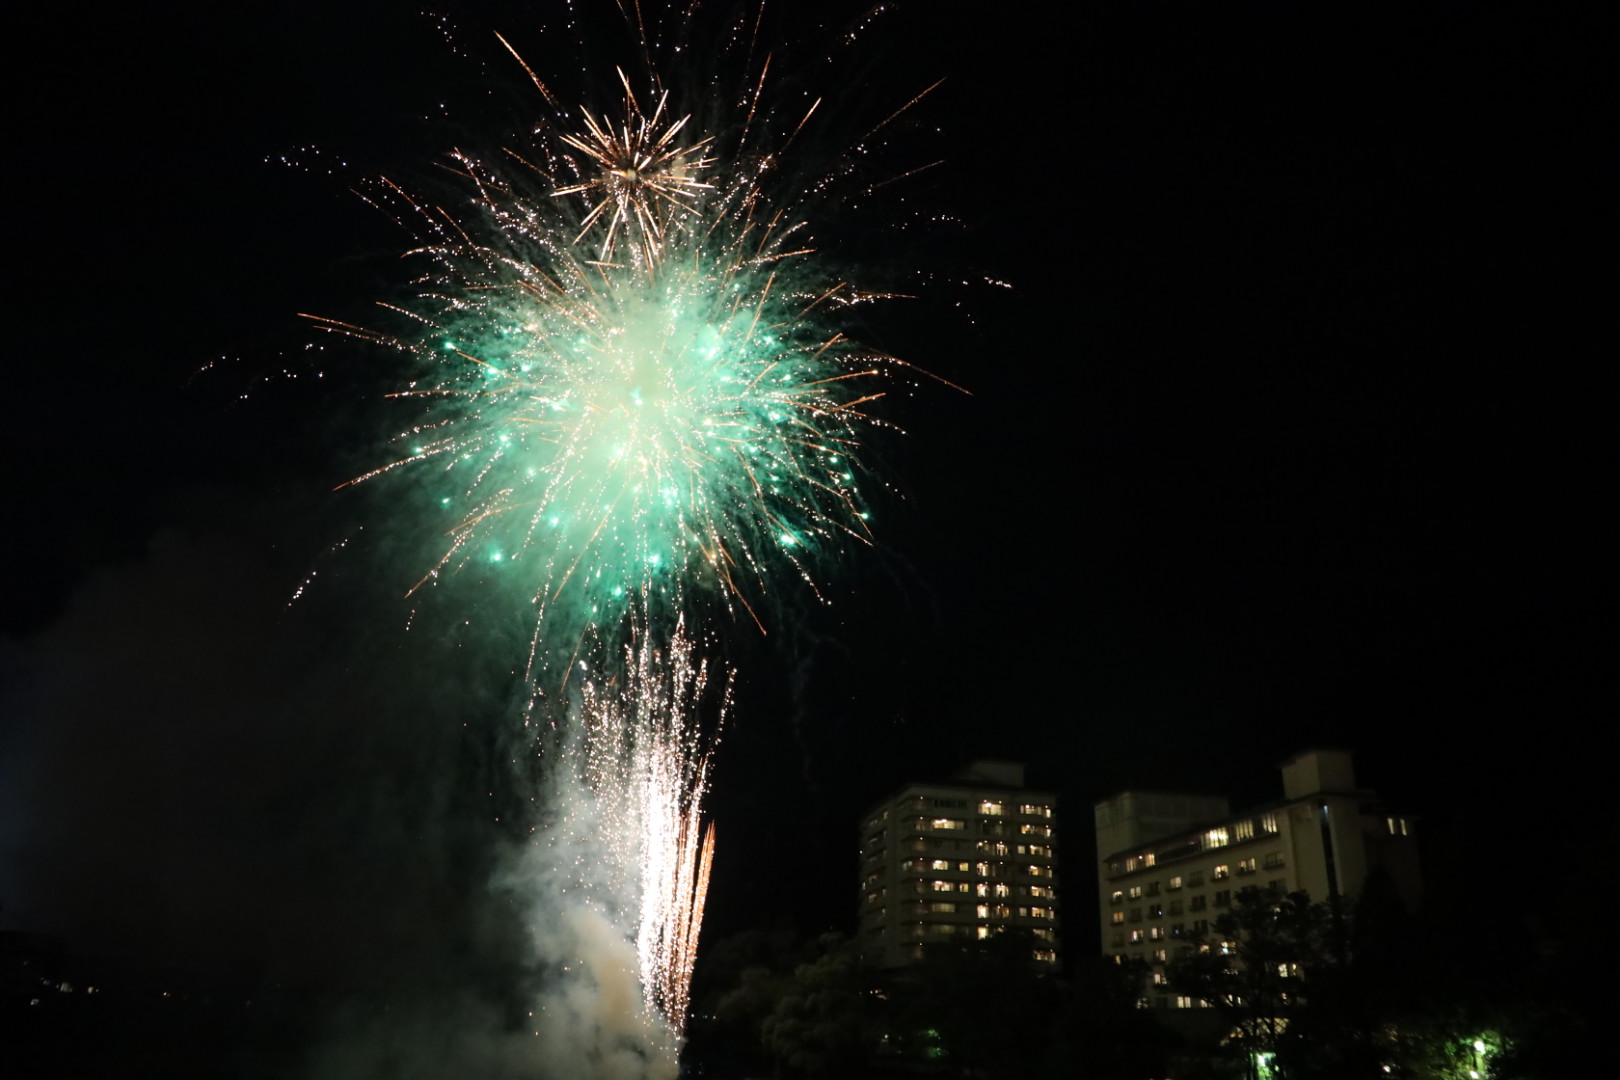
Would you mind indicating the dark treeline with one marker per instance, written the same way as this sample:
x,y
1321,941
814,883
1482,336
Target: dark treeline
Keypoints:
x,y
1279,989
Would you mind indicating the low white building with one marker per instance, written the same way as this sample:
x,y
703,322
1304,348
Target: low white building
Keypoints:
x,y
1171,863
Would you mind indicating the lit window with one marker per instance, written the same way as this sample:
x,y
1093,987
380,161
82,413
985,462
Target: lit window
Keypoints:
x,y
1156,934
983,911
988,807
1042,890
1175,883
1243,830
1118,897
940,864
944,886
947,823
1035,830
1040,913
1221,873
1160,979
963,886
1035,810
1118,917
1003,890
1161,955
1245,866
962,866
1183,1001
1135,892
1216,838
1045,956
1268,822
1136,937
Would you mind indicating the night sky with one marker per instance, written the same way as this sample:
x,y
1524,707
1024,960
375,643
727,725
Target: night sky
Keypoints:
x,y
1286,434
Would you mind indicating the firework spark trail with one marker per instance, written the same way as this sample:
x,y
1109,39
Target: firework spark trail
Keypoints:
x,y
645,760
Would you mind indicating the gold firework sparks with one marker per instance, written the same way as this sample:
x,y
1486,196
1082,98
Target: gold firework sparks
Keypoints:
x,y
641,178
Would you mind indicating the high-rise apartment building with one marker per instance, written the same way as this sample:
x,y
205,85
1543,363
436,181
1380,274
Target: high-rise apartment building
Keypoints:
x,y
1171,863
962,859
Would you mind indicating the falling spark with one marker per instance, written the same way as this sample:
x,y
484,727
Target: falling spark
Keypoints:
x,y
646,761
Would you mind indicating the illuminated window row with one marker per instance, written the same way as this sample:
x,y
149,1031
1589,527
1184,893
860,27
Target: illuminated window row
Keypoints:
x,y
1211,839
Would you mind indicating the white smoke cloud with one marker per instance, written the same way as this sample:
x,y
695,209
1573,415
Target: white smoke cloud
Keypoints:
x,y
582,899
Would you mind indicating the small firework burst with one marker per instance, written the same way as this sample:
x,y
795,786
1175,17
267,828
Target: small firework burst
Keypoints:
x,y
642,179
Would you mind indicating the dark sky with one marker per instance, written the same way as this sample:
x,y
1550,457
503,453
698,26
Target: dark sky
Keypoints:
x,y
1287,433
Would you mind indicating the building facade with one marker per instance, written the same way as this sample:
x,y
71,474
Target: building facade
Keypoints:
x,y
1171,863
961,859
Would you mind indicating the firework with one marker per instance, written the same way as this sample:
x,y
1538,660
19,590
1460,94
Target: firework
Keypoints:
x,y
645,760
660,430
644,181
633,379
634,399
